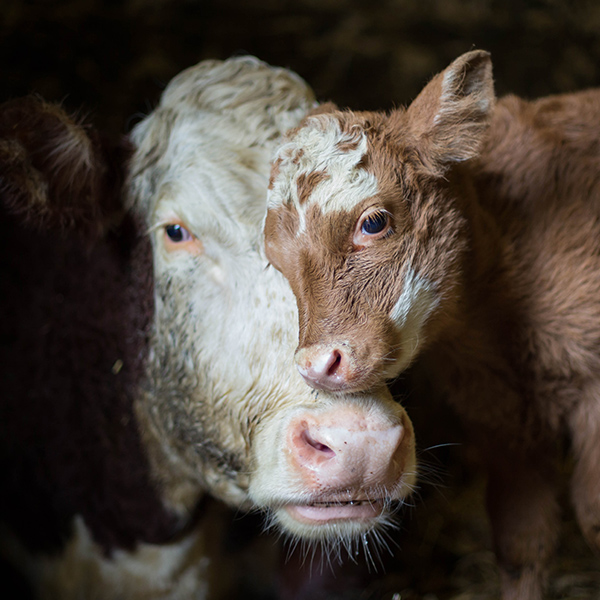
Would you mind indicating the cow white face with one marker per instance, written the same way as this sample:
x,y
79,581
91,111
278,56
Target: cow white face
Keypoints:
x,y
224,406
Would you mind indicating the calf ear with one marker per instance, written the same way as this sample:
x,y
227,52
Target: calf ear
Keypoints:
x,y
450,117
56,171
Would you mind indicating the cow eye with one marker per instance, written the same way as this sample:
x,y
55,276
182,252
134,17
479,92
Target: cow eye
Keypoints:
x,y
180,239
177,233
372,226
375,223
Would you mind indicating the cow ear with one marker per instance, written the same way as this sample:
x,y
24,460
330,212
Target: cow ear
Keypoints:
x,y
449,118
57,172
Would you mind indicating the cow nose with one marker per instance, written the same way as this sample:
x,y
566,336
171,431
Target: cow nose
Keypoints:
x,y
345,449
324,367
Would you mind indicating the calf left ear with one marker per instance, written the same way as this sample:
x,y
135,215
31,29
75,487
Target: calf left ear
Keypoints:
x,y
449,118
57,172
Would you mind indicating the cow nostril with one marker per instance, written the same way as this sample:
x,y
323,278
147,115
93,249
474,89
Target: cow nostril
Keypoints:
x,y
334,363
324,367
318,446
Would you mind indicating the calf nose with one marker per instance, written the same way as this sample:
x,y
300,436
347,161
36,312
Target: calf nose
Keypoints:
x,y
345,449
324,367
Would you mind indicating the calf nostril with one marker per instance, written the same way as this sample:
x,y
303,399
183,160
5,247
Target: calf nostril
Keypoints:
x,y
335,361
318,446
324,367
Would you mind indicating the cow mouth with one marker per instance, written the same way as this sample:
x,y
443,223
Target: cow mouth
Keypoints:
x,y
326,512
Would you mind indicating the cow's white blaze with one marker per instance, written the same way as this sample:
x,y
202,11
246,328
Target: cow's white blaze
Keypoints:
x,y
417,301
321,146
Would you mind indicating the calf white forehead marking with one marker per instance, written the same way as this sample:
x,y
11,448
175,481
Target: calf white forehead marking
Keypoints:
x,y
332,157
410,313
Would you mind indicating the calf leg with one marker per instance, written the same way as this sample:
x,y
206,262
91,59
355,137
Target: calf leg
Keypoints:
x,y
524,513
584,424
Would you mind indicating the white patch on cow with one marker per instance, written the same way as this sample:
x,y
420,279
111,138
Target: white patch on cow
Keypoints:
x,y
319,147
176,571
409,315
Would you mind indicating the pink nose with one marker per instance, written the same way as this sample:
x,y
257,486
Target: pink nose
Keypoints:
x,y
324,367
347,449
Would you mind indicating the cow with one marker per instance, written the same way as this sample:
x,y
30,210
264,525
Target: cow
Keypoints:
x,y
460,237
146,352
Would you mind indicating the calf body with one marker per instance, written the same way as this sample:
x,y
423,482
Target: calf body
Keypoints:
x,y
461,233
147,350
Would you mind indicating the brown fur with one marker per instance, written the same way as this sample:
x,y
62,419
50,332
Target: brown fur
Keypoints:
x,y
56,171
274,173
499,210
306,184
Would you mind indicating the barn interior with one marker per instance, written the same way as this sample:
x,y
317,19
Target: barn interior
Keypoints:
x,y
111,59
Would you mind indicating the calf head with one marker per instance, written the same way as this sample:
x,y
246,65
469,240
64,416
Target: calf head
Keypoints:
x,y
366,219
223,407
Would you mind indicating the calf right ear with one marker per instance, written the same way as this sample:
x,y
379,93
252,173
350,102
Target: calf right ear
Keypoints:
x,y
449,118
57,172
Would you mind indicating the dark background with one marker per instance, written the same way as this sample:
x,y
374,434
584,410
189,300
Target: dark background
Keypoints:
x,y
114,56
111,59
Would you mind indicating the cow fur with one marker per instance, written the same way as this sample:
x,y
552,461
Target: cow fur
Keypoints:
x,y
83,514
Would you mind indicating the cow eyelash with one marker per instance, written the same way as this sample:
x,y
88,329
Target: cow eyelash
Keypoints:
x,y
376,222
372,226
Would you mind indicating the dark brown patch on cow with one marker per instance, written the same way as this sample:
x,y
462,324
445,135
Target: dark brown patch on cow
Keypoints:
x,y
348,145
72,308
307,182
364,162
297,156
56,171
281,227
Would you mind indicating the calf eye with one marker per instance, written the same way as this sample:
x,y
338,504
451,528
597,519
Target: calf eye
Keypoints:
x,y
177,233
375,223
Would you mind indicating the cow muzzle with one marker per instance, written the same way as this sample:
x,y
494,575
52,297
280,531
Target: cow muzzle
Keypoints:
x,y
344,468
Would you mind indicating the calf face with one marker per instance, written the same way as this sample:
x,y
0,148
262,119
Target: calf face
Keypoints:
x,y
221,405
368,230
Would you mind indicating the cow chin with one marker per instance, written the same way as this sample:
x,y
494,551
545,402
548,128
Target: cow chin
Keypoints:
x,y
321,523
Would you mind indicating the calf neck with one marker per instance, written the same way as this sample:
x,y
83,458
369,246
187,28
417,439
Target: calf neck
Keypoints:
x,y
462,233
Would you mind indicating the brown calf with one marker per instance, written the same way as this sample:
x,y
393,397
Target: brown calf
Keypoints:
x,y
465,233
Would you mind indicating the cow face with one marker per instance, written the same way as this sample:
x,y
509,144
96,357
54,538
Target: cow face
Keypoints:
x,y
222,404
369,223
